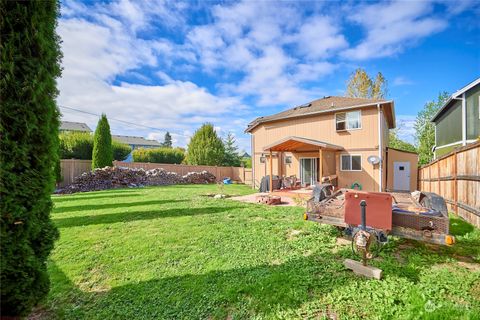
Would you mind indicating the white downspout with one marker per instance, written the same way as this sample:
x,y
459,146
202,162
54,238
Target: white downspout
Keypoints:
x,y
380,148
464,120
252,150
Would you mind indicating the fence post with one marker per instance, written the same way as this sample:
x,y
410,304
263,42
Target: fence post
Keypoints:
x,y
455,182
438,179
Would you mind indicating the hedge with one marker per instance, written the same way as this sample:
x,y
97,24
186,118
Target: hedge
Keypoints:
x,y
29,122
159,155
79,145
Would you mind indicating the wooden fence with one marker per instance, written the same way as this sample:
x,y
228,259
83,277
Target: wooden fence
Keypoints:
x,y
72,168
456,177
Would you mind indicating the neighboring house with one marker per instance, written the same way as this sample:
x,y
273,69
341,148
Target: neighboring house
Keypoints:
x,y
245,155
337,137
457,123
136,142
67,126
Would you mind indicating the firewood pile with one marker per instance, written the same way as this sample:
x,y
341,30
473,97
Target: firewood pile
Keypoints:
x,y
160,177
119,177
199,177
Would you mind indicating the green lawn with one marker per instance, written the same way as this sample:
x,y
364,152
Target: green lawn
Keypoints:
x,y
172,252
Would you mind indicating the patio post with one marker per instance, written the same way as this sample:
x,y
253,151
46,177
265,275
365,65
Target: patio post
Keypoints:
x,y
320,165
271,172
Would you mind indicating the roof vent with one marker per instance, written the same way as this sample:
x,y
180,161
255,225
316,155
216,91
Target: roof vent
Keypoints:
x,y
332,106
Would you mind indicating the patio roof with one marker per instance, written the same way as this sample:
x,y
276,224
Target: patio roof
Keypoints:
x,y
293,143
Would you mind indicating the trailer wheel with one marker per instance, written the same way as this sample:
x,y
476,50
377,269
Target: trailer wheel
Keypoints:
x,y
434,201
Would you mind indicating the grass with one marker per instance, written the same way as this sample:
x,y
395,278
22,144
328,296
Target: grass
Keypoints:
x,y
171,252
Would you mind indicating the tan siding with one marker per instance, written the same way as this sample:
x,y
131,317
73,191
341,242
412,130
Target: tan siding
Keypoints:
x,y
395,155
367,178
363,141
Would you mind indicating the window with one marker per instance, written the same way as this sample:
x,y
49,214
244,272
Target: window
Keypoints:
x,y
288,159
348,120
351,162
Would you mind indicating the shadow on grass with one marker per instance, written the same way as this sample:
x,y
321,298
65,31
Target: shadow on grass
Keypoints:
x,y
220,294
115,205
136,216
94,197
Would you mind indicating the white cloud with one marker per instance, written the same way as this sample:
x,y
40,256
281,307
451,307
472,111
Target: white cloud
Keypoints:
x,y
266,47
392,26
401,81
102,48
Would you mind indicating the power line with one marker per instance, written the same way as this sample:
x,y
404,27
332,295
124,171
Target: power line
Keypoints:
x,y
118,120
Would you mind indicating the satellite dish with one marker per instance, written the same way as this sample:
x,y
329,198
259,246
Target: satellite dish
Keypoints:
x,y
373,159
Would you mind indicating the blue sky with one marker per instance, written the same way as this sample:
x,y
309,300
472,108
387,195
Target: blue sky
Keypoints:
x,y
175,65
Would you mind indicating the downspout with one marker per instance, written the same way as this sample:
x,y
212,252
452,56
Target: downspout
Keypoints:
x,y
252,150
380,148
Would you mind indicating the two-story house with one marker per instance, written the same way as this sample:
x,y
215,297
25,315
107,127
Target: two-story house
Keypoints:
x,y
457,123
339,137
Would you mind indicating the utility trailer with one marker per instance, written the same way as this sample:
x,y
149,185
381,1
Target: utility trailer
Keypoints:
x,y
420,216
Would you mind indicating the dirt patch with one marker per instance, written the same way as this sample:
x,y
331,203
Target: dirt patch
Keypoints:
x,y
292,234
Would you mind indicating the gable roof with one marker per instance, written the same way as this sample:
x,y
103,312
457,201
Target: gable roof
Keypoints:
x,y
74,126
454,96
292,143
324,105
139,141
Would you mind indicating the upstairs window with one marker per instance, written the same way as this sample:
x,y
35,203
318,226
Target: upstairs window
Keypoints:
x,y
351,162
348,120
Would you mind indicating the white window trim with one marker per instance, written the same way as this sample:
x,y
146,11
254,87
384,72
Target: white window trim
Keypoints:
x,y
335,120
351,155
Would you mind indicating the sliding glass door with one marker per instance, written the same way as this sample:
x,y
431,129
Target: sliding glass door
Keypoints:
x,y
308,171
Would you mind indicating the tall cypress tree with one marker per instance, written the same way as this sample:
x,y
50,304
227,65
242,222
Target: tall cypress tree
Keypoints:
x,y
30,56
205,147
102,154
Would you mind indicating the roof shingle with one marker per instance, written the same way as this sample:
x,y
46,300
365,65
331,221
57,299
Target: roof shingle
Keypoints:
x,y
324,104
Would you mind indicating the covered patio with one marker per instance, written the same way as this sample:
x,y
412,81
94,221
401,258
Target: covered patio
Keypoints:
x,y
304,146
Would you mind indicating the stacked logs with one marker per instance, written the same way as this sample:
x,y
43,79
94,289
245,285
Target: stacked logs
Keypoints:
x,y
199,177
119,177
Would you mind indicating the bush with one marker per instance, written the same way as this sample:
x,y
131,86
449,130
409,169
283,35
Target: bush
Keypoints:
x,y
159,155
30,56
120,150
205,147
79,145
102,154
76,145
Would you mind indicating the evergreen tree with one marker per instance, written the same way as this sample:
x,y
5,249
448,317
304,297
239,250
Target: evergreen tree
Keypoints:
x,y
167,141
102,154
205,147
360,85
231,156
30,63
425,129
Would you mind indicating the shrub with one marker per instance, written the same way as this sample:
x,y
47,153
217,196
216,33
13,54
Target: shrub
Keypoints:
x,y
30,56
159,155
76,145
120,150
102,154
205,147
79,145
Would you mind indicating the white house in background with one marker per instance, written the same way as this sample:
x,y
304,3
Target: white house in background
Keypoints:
x,y
68,126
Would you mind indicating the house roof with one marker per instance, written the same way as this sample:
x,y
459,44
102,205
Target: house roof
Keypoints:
x,y
454,96
74,126
139,141
325,105
293,143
